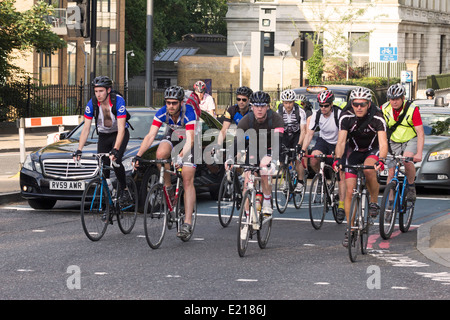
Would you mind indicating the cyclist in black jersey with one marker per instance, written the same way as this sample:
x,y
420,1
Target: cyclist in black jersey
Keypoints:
x,y
364,127
236,112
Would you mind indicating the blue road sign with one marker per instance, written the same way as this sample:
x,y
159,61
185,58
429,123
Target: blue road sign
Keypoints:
x,y
388,54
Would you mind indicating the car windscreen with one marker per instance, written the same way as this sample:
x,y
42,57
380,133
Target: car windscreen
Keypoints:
x,y
140,121
436,123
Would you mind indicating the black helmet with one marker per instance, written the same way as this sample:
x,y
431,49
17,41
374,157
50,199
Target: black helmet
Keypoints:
x,y
102,81
430,92
244,91
260,98
174,92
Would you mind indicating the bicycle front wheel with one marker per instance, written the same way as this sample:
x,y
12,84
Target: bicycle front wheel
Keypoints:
x,y
127,214
405,217
300,196
95,209
317,208
282,188
388,211
227,200
365,222
353,229
155,216
265,226
244,229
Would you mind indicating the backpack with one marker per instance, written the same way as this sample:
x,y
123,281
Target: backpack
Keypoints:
x,y
113,95
336,117
194,101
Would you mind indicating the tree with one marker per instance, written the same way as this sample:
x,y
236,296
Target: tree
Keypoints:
x,y
172,19
22,31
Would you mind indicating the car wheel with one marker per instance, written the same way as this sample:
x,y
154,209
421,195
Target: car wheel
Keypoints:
x,y
41,203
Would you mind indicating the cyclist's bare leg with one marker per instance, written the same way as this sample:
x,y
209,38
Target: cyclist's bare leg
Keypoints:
x,y
163,152
410,169
341,185
350,184
265,186
188,174
315,162
300,170
371,180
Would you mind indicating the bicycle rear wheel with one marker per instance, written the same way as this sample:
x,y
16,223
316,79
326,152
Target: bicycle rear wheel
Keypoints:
x,y
245,228
405,217
388,211
227,199
127,214
353,229
95,209
180,213
155,216
317,208
283,188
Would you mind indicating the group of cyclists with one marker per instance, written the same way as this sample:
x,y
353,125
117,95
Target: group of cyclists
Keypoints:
x,y
358,133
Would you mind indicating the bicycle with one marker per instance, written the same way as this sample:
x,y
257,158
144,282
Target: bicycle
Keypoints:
x,y
286,182
358,224
162,210
251,218
322,199
394,201
99,204
230,194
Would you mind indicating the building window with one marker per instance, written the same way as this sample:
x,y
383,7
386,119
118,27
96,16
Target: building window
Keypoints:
x,y
269,42
71,63
359,48
163,83
48,68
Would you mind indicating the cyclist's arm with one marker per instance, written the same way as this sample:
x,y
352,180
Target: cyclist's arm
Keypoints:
x,y
383,143
420,143
308,137
84,133
340,145
148,140
120,132
223,132
302,134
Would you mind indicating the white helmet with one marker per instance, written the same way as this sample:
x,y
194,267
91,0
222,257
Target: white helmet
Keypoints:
x,y
396,91
361,93
288,95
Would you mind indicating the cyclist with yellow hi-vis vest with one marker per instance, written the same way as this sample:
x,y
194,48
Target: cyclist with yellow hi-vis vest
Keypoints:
x,y
405,133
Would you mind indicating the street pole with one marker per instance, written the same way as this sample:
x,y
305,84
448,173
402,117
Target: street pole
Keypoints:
x,y
149,55
93,43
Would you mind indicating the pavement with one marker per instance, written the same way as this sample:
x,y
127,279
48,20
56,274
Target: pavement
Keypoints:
x,y
433,237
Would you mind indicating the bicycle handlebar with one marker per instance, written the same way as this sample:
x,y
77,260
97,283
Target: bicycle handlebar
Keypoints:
x,y
357,166
319,156
399,158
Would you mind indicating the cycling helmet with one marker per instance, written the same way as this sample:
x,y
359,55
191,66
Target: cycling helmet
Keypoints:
x,y
102,81
361,93
396,91
288,95
174,92
303,98
244,91
260,98
326,96
200,86
429,93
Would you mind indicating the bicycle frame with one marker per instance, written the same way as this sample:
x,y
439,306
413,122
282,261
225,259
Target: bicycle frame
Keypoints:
x,y
399,197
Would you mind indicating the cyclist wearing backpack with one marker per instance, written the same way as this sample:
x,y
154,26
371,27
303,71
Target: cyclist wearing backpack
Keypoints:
x,y
327,121
294,118
180,119
405,133
365,129
111,124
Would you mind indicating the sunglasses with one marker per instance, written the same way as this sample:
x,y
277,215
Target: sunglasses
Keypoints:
x,y
360,104
242,99
324,105
172,103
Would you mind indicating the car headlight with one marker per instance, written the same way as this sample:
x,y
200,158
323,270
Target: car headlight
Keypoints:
x,y
439,155
127,163
28,164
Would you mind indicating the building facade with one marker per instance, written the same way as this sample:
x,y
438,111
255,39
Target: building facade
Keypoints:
x,y
418,31
71,65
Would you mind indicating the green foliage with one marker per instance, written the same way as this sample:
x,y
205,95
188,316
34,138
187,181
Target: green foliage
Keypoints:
x,y
315,66
24,31
172,19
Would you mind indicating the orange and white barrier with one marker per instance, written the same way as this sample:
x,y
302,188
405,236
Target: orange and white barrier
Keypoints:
x,y
59,121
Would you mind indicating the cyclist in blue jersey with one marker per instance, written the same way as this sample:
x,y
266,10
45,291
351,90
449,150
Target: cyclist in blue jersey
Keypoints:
x,y
180,119
110,117
235,112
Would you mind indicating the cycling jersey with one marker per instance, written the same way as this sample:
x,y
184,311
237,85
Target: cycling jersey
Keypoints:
x,y
233,114
291,123
368,138
120,109
405,130
207,104
188,122
328,127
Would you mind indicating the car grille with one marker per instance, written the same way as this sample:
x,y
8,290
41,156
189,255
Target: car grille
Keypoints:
x,y
66,169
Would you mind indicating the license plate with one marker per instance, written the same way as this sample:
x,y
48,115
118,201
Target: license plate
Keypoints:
x,y
67,185
384,173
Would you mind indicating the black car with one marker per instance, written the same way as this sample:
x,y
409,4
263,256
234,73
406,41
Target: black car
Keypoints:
x,y
50,173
